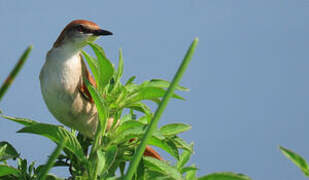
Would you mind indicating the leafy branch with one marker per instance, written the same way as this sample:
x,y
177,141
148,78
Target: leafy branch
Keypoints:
x,y
127,126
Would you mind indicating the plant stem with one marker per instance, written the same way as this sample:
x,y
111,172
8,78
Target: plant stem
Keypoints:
x,y
103,114
51,160
93,156
14,72
153,124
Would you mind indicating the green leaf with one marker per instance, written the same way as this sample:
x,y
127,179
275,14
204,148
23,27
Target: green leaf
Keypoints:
x,y
130,80
126,117
106,69
164,84
99,102
127,125
162,167
22,165
120,98
8,170
188,168
81,178
110,156
180,143
184,158
120,67
23,121
53,177
148,93
158,135
224,176
191,173
2,151
31,167
154,175
7,151
145,119
92,64
156,100
114,178
167,146
133,132
101,161
296,159
56,134
141,107
174,129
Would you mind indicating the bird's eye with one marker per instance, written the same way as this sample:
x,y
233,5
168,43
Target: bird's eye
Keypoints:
x,y
83,29
86,30
80,28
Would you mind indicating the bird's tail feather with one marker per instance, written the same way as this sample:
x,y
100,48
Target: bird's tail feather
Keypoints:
x,y
149,151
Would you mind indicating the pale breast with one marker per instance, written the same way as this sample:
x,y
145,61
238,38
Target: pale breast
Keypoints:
x,y
60,79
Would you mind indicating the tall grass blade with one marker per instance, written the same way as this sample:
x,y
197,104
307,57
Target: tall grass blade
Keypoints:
x,y
9,80
153,124
51,160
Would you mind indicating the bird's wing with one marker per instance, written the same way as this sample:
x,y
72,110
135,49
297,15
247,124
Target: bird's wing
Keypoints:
x,y
82,87
152,153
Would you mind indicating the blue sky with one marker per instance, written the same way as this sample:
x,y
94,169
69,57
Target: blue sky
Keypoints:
x,y
248,77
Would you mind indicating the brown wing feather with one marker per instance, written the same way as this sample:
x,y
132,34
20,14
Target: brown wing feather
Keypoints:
x,y
149,151
83,88
152,153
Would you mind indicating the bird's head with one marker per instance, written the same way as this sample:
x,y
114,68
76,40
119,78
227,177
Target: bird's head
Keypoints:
x,y
79,32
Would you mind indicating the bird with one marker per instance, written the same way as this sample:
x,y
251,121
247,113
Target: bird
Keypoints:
x,y
62,80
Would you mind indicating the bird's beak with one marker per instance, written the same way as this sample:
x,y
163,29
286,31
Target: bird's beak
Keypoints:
x,y
101,32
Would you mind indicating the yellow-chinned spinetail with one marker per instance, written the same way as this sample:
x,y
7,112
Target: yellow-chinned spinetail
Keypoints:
x,y
61,78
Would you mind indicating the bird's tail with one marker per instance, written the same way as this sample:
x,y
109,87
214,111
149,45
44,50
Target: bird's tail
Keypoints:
x,y
149,151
